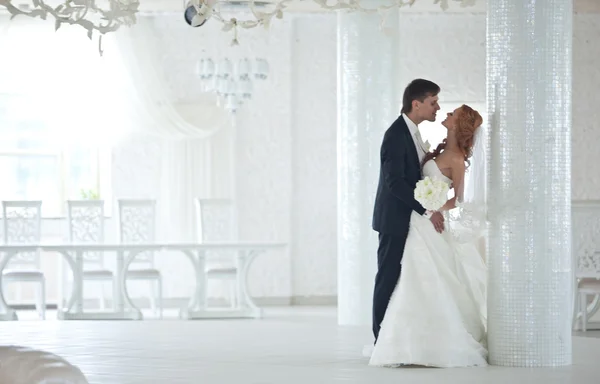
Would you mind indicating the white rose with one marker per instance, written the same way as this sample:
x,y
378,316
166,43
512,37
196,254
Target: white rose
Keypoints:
x,y
431,193
427,145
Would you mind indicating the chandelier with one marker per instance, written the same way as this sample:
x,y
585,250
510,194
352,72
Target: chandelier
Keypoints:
x,y
232,81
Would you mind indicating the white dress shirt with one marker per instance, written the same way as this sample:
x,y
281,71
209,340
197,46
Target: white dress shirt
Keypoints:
x,y
414,130
412,127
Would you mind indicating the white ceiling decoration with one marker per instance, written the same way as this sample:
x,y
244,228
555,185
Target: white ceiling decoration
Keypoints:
x,y
104,16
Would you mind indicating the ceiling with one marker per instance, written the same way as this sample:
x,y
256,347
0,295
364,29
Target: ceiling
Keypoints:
x,y
309,6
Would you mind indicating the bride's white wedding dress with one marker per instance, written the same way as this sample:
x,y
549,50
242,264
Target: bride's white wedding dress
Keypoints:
x,y
437,313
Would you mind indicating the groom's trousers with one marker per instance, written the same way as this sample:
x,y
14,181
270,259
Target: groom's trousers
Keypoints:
x,y
389,256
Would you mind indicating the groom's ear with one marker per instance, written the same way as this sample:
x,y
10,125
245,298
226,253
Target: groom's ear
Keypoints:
x,y
415,104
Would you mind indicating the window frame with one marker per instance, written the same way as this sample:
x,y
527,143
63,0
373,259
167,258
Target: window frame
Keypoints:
x,y
101,166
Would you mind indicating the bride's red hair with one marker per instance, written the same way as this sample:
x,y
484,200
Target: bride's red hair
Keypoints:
x,y
467,122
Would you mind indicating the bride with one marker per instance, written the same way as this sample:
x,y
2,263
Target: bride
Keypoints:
x,y
437,313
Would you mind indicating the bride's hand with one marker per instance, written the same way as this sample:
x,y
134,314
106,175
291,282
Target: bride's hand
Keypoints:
x,y
450,204
438,221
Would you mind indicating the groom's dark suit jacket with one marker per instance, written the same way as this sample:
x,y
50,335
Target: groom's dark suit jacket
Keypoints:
x,y
399,174
400,171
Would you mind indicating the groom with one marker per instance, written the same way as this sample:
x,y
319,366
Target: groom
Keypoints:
x,y
401,154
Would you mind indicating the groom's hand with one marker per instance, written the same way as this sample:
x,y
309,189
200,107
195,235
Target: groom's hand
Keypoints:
x,y
438,221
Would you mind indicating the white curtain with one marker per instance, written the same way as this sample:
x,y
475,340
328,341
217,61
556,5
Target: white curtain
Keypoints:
x,y
185,127
181,182
165,116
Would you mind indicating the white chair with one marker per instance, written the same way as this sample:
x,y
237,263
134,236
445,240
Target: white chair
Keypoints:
x,y
585,287
137,222
587,284
586,261
216,222
23,226
85,219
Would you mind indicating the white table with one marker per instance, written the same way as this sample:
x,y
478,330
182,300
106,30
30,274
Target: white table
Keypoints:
x,y
124,308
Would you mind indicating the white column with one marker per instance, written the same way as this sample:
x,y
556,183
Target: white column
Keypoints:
x,y
368,103
529,103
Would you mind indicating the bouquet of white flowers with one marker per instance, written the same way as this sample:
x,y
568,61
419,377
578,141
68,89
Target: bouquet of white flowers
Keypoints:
x,y
431,193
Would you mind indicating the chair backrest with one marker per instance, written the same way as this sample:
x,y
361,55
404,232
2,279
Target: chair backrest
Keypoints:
x,y
137,221
85,219
216,220
585,218
22,221
216,223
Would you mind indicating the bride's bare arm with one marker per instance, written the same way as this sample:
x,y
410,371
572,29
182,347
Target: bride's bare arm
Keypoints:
x,y
458,177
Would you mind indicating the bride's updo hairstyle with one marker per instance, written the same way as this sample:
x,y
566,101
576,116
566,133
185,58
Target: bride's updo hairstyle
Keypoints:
x,y
467,122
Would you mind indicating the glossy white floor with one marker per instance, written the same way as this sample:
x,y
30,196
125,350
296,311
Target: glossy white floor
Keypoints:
x,y
290,345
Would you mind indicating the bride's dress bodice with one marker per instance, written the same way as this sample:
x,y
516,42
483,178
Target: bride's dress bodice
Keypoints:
x,y
467,223
431,169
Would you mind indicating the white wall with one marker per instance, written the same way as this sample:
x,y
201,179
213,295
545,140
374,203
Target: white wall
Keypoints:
x,y
585,168
314,158
286,137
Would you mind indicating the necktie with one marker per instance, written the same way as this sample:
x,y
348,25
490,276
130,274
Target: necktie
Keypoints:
x,y
420,141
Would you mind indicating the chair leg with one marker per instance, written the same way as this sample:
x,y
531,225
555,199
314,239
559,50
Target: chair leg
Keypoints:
x,y
575,321
18,295
232,294
79,295
64,297
152,296
202,301
583,305
159,298
41,299
101,295
239,291
115,294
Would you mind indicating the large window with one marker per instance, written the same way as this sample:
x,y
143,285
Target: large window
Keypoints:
x,y
39,162
57,117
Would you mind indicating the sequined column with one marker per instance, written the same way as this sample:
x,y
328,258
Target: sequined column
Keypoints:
x,y
368,103
529,104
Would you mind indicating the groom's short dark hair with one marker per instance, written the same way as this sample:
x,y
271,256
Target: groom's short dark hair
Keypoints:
x,y
418,89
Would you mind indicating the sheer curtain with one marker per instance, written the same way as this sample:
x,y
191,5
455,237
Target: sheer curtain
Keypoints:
x,y
184,126
164,114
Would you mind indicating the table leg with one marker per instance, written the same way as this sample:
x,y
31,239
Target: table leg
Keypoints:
x,y
78,287
244,260
247,307
76,300
129,307
119,281
201,280
6,313
76,293
197,301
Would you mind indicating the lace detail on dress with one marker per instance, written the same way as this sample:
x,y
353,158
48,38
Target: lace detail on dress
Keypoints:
x,y
467,222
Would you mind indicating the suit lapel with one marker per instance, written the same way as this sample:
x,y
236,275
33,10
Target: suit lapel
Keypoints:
x,y
410,144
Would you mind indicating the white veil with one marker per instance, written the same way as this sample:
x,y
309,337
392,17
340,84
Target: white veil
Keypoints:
x,y
468,221
475,189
